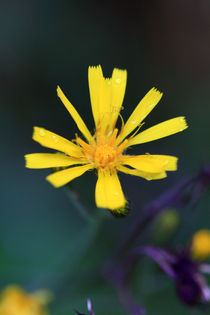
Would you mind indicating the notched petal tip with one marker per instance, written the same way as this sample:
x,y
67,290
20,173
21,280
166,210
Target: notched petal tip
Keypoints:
x,y
122,71
172,164
95,73
52,182
58,90
27,158
154,89
184,123
37,133
94,67
119,76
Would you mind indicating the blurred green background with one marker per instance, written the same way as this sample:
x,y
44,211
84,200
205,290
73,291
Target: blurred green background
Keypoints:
x,y
43,240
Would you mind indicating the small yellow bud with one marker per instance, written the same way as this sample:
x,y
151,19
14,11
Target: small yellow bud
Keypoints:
x,y
166,225
200,248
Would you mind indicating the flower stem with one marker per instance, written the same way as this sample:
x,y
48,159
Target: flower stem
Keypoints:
x,y
80,208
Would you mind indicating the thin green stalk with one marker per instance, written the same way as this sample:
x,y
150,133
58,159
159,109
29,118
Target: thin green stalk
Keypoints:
x,y
80,208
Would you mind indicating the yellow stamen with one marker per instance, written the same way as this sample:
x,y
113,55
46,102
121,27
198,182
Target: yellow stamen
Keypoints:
x,y
119,139
85,145
106,130
123,125
122,146
101,139
137,130
113,137
104,155
114,124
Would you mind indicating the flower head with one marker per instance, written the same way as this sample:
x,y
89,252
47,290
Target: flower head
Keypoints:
x,y
15,301
105,149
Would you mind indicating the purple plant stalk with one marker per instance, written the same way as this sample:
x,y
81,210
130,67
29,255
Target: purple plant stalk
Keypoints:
x,y
119,278
185,193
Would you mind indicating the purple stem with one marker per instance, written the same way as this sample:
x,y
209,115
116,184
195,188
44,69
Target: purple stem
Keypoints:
x,y
150,211
194,186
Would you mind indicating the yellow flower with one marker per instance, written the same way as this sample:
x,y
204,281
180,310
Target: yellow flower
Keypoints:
x,y
15,301
200,248
105,150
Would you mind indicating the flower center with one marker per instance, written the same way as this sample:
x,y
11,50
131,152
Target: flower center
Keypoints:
x,y
104,155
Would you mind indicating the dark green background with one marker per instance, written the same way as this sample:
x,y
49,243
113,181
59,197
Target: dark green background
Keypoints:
x,y
166,44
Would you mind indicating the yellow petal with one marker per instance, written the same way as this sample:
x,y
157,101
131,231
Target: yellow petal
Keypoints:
x,y
104,104
164,129
105,93
169,162
106,96
108,192
72,111
47,160
119,81
95,77
147,176
145,106
65,176
144,163
51,140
